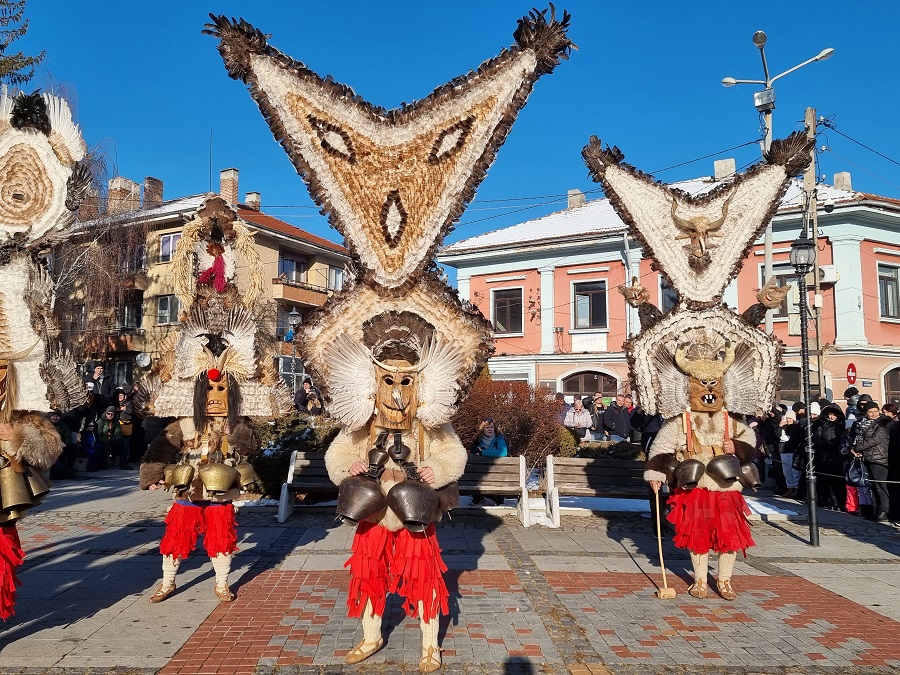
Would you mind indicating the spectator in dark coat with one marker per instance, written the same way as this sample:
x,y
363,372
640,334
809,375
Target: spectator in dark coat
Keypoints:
x,y
301,398
617,420
770,430
890,410
828,434
872,438
101,387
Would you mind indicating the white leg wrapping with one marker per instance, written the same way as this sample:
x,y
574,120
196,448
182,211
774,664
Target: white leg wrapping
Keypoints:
x,y
169,569
700,563
222,566
726,564
371,624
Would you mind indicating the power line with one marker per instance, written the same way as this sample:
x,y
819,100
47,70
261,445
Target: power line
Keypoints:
x,y
829,124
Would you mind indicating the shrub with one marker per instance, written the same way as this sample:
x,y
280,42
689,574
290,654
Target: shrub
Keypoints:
x,y
526,417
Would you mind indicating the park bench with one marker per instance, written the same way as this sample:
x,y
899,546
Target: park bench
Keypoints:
x,y
483,476
595,477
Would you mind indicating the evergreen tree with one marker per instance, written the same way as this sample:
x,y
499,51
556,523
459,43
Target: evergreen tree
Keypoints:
x,y
15,68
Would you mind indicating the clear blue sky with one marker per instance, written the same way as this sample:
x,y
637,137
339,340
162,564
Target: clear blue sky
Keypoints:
x,y
646,78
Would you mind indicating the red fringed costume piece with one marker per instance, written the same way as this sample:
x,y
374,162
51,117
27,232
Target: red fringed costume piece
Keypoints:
x,y
401,562
215,275
11,556
705,520
185,523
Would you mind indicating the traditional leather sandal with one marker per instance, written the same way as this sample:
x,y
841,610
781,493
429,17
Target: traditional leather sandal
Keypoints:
x,y
431,660
363,650
725,589
698,589
162,593
223,594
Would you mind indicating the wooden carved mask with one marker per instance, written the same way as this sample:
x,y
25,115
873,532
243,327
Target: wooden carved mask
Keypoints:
x,y
217,396
396,397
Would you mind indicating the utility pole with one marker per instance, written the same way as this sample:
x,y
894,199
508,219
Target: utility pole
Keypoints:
x,y
812,213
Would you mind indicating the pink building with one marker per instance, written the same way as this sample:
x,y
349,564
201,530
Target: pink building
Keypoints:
x,y
549,286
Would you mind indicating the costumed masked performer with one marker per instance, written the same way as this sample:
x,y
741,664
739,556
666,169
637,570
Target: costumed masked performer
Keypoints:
x,y
701,366
215,371
42,184
396,348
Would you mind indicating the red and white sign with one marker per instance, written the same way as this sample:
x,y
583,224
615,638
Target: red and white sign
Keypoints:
x,y
851,374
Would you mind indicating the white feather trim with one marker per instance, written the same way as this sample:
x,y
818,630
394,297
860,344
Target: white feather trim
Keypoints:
x,y
61,123
437,384
351,381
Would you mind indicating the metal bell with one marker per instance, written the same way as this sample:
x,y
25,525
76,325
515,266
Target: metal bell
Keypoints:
x,y
749,476
218,478
14,492
400,452
359,497
415,503
182,475
168,474
11,516
687,473
670,465
36,483
247,474
378,457
727,468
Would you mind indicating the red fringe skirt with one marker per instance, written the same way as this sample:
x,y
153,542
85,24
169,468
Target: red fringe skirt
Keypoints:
x,y
11,556
185,523
705,520
404,562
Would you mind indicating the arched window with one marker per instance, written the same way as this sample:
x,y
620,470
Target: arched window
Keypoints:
x,y
587,383
892,386
791,386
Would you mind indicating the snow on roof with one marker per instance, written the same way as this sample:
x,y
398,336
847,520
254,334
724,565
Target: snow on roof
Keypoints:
x,y
599,218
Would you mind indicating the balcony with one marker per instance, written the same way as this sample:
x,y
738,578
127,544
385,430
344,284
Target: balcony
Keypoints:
x,y
299,292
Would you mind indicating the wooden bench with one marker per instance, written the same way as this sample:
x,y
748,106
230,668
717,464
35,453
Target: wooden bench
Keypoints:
x,y
596,477
307,474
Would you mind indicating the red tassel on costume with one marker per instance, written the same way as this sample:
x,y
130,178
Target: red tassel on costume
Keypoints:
x,y
11,556
216,274
183,525
220,535
368,565
418,573
707,520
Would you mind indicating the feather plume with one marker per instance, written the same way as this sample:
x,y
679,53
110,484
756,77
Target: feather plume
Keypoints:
x,y
239,358
546,38
351,378
65,390
63,126
77,186
30,112
239,41
438,389
245,247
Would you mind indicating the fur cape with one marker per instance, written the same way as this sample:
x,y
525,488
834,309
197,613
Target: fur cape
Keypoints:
x,y
708,430
242,441
34,440
443,453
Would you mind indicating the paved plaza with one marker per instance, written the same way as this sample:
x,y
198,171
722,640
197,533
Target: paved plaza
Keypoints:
x,y
578,599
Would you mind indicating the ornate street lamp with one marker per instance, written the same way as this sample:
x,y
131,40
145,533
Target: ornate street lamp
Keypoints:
x,y
803,258
294,319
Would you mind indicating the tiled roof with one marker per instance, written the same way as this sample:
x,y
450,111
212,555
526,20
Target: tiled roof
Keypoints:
x,y
269,223
598,218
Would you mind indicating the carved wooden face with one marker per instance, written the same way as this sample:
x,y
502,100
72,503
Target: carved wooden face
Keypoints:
x,y
217,397
396,398
707,394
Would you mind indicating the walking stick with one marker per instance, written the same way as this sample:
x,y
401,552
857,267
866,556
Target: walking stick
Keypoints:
x,y
664,593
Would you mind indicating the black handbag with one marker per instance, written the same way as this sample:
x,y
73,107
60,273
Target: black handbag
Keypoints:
x,y
799,461
857,475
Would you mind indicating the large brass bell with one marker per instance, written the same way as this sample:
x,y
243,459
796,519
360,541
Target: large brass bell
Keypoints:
x,y
168,474
727,468
359,497
11,516
182,475
218,478
415,503
247,474
14,492
36,483
688,473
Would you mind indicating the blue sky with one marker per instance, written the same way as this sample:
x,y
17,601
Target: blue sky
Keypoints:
x,y
151,88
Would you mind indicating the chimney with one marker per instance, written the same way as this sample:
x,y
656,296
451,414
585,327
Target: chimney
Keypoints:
x,y
842,181
576,199
723,169
90,207
153,192
228,185
252,201
124,196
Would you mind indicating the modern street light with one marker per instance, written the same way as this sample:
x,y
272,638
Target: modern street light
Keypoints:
x,y
803,258
294,319
765,103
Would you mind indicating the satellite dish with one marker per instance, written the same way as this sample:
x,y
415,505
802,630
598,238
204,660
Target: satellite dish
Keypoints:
x,y
142,359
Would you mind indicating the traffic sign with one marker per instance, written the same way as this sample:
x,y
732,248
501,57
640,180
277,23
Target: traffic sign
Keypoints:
x,y
851,374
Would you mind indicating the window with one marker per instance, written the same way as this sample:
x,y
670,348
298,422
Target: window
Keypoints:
x,y
167,309
892,386
132,309
291,268
590,305
791,389
668,296
507,310
76,317
134,258
587,384
285,365
889,291
335,278
167,244
120,372
784,274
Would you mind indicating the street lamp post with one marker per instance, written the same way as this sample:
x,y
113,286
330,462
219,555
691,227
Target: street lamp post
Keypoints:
x,y
765,103
803,256
294,322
